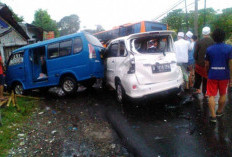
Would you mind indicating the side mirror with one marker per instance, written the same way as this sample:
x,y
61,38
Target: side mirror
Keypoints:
x,y
103,53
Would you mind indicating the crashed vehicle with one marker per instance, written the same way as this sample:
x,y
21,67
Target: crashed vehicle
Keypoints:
x,y
66,61
143,64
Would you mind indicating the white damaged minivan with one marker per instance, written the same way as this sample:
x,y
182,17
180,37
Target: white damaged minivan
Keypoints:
x,y
143,64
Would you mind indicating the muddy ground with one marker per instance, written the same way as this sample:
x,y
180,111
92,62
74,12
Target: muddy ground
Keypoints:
x,y
77,126
70,126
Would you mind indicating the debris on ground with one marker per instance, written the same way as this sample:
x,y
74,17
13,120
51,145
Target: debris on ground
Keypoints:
x,y
68,127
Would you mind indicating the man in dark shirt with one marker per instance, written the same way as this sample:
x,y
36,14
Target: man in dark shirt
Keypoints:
x,y
217,64
199,56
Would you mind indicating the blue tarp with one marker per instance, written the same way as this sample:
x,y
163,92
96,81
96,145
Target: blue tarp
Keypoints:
x,y
3,24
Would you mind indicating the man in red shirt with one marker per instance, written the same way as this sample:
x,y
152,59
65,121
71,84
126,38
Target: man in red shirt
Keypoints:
x,y
1,77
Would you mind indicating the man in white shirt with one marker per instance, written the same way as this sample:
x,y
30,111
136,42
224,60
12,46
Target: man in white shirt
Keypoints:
x,y
181,48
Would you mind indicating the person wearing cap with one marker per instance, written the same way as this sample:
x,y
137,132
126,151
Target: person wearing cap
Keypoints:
x,y
192,61
181,48
199,56
217,63
189,38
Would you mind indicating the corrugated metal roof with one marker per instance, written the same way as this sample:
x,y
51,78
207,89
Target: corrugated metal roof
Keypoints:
x,y
3,31
7,15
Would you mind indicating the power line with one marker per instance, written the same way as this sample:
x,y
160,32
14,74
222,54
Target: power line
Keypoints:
x,y
188,6
172,9
178,3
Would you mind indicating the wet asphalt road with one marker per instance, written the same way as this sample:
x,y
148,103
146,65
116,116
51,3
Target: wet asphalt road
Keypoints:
x,y
187,132
171,130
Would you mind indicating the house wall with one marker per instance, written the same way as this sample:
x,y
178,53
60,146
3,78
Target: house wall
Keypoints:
x,y
9,42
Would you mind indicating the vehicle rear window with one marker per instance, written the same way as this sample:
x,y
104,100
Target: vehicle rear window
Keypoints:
x,y
152,44
93,40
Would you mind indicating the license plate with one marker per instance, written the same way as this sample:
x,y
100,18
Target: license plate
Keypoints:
x,y
159,68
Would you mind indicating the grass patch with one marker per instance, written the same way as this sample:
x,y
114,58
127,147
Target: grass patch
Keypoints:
x,y
12,121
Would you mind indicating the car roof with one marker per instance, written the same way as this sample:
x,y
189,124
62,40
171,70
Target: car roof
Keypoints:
x,y
42,43
163,32
136,35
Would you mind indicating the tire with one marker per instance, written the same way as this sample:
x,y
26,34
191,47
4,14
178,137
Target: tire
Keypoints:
x,y
120,92
18,89
69,85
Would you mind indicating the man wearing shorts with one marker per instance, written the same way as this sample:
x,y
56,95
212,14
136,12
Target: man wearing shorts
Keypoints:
x,y
217,63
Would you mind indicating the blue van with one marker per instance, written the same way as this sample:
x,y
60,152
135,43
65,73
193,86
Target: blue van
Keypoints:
x,y
65,61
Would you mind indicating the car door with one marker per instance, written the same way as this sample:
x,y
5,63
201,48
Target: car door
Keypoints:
x,y
16,68
110,62
121,67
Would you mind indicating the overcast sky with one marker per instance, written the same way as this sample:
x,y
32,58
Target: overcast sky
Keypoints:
x,y
108,13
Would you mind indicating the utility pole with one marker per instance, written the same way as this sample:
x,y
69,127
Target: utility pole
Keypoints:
x,y
186,15
196,18
205,14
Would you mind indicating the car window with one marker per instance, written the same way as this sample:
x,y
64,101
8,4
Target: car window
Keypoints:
x,y
93,40
122,50
77,45
16,59
65,48
53,50
113,50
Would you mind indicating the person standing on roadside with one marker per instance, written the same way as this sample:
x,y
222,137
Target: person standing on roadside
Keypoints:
x,y
1,78
199,56
192,61
217,63
188,37
181,48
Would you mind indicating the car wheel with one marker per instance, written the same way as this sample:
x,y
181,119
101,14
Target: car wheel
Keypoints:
x,y
18,89
120,93
69,85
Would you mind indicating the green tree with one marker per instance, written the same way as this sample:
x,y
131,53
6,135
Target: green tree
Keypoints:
x,y
210,16
18,18
69,24
224,21
175,20
42,19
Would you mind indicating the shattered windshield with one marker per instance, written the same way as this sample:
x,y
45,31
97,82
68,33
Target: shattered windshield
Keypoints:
x,y
151,44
